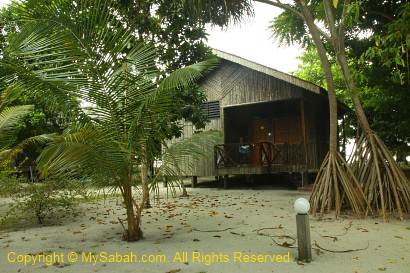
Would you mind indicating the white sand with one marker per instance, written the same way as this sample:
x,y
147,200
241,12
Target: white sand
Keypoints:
x,y
244,211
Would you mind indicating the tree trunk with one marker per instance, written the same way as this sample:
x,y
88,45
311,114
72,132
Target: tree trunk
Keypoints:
x,y
134,210
133,232
364,123
184,191
384,183
335,182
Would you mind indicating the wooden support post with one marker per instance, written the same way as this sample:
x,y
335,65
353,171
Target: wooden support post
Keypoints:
x,y
303,127
305,179
250,178
226,181
218,180
303,233
194,181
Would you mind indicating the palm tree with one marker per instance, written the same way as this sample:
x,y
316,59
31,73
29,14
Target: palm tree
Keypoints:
x,y
85,49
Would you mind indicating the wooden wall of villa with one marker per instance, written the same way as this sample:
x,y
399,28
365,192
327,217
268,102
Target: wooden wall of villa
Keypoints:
x,y
271,121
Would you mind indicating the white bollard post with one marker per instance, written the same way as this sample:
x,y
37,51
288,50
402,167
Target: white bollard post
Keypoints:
x,y
302,207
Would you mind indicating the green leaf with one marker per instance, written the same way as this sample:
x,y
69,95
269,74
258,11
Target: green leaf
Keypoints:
x,y
8,120
335,3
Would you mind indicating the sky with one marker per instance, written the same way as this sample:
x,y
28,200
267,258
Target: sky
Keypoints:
x,y
252,40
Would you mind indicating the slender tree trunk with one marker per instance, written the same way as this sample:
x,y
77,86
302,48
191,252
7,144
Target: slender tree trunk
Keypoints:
x,y
341,57
134,210
384,183
327,69
184,191
133,231
335,179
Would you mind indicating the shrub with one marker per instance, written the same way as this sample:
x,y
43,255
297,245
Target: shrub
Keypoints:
x,y
44,200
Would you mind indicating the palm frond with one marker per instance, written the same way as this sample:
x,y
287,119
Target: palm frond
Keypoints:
x,y
10,93
186,76
157,105
180,158
184,155
85,151
8,120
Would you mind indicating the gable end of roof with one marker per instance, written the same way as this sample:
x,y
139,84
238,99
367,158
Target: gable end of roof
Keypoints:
x,y
268,71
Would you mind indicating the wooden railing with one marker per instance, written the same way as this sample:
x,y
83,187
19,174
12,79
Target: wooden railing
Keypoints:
x,y
263,154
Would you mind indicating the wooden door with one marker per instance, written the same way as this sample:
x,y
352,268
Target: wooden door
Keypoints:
x,y
260,131
287,130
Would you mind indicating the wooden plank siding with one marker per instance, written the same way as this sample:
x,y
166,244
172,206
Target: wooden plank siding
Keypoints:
x,y
205,166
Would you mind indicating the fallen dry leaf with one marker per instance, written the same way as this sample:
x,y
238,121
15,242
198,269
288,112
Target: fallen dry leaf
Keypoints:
x,y
362,229
286,244
213,213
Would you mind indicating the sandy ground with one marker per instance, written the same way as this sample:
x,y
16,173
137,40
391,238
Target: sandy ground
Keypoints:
x,y
177,225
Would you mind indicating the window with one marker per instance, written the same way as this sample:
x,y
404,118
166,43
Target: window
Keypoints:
x,y
212,109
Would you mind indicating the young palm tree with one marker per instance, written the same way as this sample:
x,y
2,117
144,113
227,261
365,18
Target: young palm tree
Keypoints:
x,y
85,49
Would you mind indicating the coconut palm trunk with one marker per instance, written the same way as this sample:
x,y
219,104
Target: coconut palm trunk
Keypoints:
x,y
134,209
133,231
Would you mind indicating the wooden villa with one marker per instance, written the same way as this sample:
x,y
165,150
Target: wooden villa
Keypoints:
x,y
272,122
